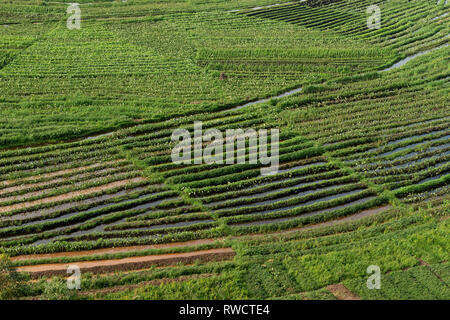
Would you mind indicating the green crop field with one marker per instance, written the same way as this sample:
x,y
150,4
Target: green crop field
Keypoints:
x,y
87,176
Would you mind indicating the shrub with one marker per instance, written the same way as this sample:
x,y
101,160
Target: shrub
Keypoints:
x,y
57,289
12,283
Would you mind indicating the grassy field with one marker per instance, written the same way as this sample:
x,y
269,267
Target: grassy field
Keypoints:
x,y
87,179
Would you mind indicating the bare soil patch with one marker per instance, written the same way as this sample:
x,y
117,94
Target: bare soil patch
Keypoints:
x,y
423,263
342,293
66,183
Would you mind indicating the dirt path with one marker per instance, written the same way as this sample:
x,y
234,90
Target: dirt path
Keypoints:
x,y
342,293
103,266
113,250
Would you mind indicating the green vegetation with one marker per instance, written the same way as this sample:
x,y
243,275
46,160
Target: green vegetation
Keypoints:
x,y
86,174
12,283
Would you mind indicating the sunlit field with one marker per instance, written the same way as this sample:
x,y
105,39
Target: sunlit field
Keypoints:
x,y
87,177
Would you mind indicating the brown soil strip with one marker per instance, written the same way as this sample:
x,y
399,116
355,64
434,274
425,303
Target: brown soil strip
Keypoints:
x,y
67,184
342,293
134,271
29,186
94,198
103,266
423,263
70,195
58,173
113,250
50,175
155,282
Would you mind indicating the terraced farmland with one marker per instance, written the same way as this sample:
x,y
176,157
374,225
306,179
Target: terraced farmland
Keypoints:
x,y
87,177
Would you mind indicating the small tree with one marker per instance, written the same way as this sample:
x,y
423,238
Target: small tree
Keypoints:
x,y
12,283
